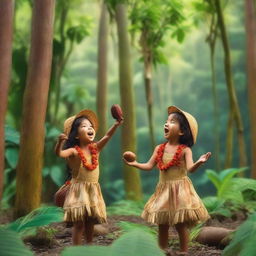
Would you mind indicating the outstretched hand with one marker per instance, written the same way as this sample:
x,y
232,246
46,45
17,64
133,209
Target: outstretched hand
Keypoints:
x,y
132,163
204,158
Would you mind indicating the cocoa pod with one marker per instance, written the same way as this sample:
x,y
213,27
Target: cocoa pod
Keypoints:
x,y
117,112
129,156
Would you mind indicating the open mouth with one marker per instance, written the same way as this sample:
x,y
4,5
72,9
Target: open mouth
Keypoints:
x,y
166,130
90,134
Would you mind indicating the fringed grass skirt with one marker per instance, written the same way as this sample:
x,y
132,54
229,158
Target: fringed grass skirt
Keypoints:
x,y
84,200
175,201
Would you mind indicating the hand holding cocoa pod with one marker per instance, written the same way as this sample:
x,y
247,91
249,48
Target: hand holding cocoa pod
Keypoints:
x,y
129,156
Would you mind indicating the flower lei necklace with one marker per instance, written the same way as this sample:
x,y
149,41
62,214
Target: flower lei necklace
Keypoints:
x,y
94,153
175,160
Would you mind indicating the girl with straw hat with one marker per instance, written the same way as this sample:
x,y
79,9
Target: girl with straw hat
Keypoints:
x,y
84,205
175,201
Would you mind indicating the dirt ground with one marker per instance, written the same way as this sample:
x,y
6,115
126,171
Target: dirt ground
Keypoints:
x,y
62,237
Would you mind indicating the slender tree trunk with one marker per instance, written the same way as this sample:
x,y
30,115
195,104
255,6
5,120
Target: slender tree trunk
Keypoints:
x,y
29,179
250,25
131,175
6,29
212,43
233,103
149,97
102,71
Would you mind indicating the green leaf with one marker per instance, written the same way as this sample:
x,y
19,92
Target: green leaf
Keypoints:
x,y
12,245
11,135
57,175
39,217
225,177
139,244
130,226
12,155
214,178
243,242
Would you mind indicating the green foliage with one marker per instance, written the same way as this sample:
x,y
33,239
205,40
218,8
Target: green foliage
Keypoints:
x,y
243,242
223,179
126,207
77,33
232,193
127,226
152,21
139,243
216,206
39,217
11,244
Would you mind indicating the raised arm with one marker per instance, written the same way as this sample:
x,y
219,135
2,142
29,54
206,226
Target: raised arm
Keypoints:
x,y
191,166
59,145
103,141
144,166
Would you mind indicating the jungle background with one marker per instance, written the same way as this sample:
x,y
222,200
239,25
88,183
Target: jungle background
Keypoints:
x,y
64,56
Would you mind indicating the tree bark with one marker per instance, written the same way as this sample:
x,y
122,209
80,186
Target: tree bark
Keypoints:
x,y
6,29
250,26
102,71
233,103
149,97
29,179
131,175
212,43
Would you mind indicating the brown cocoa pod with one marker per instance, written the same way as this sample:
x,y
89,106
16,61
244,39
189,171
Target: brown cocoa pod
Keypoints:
x,y
129,156
117,112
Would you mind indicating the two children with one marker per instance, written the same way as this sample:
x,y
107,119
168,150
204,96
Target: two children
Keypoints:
x,y
174,203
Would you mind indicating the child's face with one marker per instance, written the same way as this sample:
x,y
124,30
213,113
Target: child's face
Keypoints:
x,y
172,127
86,132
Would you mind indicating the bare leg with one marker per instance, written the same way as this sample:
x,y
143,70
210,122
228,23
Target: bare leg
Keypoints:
x,y
183,236
89,227
78,231
163,236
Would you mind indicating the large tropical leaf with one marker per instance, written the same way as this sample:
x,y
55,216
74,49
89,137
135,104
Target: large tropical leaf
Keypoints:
x,y
243,242
11,244
137,243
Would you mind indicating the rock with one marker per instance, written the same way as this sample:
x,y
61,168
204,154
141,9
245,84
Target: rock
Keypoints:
x,y
101,229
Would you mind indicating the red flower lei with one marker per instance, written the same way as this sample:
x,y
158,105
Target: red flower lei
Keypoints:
x,y
175,160
94,160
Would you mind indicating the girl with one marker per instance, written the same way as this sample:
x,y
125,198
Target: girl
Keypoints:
x,y
84,205
175,202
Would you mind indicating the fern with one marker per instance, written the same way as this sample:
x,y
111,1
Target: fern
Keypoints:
x,y
127,226
39,217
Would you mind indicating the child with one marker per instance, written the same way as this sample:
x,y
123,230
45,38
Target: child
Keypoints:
x,y
84,205
175,202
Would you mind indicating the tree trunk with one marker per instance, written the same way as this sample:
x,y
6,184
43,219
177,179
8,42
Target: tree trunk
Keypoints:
x,y
131,175
212,43
149,97
233,103
6,22
250,25
102,71
29,179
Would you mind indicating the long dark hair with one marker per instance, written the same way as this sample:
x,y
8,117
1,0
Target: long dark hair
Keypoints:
x,y
72,141
186,138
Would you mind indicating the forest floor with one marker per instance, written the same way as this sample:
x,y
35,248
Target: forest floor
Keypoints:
x,y
62,236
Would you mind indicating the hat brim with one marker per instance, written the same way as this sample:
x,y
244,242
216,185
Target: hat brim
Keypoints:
x,y
87,113
191,120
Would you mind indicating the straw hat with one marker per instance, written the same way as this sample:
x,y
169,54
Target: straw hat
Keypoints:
x,y
191,120
89,114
